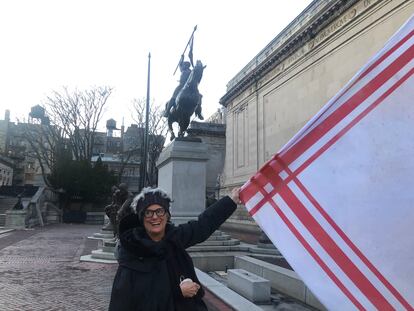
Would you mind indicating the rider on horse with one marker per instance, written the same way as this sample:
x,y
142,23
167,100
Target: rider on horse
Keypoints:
x,y
185,73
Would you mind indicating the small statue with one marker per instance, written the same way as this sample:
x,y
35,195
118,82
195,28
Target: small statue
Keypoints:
x,y
19,204
119,196
185,73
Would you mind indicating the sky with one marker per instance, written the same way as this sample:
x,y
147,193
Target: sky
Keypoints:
x,y
48,44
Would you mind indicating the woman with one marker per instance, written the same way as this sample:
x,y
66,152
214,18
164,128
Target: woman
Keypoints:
x,y
155,272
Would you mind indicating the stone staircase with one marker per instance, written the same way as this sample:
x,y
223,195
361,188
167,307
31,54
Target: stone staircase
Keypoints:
x,y
219,241
95,218
105,254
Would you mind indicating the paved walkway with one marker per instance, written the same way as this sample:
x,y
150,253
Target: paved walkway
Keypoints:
x,y
40,270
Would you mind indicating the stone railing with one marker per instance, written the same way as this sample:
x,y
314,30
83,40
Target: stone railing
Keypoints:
x,y
40,210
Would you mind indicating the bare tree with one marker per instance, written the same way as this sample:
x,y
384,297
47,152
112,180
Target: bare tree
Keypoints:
x,y
46,146
157,130
67,128
77,114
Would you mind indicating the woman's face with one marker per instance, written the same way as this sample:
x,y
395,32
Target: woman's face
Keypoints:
x,y
155,221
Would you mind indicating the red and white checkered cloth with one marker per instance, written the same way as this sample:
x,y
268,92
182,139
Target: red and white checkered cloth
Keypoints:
x,y
338,199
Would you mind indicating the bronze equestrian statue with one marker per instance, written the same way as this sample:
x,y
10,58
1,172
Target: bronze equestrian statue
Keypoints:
x,y
186,99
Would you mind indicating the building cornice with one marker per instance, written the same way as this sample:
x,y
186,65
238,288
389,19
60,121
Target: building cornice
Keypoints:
x,y
304,28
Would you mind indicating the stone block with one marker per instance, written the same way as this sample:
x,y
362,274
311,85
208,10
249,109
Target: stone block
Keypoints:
x,y
284,280
249,285
231,298
100,254
241,263
15,219
216,261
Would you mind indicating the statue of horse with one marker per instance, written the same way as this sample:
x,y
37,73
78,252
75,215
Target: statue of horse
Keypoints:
x,y
187,102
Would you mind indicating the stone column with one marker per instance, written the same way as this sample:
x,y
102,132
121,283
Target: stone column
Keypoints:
x,y
182,174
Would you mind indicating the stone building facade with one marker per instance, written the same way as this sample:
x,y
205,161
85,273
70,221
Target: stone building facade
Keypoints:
x,y
6,171
288,82
213,134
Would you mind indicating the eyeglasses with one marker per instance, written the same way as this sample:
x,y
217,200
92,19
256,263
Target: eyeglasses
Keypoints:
x,y
150,213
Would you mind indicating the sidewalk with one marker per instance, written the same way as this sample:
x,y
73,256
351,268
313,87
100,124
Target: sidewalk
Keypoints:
x,y
40,270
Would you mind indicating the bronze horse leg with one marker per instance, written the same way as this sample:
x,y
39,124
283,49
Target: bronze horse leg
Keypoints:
x,y
171,120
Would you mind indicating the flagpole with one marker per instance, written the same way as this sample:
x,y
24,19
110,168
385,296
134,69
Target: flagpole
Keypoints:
x,y
145,155
188,43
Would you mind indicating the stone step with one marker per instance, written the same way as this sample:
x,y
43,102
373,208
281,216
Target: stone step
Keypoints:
x,y
221,237
100,254
108,249
220,243
99,235
219,248
109,243
266,251
2,220
6,204
89,258
52,219
95,218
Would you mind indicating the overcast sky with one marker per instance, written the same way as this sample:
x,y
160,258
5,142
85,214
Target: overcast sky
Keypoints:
x,y
47,44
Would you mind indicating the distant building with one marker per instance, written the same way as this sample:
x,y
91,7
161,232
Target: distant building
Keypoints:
x,y
6,171
15,148
117,163
120,150
218,117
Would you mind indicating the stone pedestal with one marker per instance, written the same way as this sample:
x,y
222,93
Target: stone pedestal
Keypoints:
x,y
182,174
16,219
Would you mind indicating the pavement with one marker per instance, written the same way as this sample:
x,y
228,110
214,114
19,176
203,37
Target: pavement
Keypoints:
x,y
40,271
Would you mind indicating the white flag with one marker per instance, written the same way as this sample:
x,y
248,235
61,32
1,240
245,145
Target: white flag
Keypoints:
x,y
338,199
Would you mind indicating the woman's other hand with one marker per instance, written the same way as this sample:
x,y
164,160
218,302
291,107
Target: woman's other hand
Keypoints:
x,y
189,288
235,195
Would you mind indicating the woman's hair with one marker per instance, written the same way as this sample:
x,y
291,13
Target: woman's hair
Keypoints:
x,y
150,196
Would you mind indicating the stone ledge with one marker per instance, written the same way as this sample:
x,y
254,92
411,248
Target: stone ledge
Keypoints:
x,y
225,294
281,279
242,226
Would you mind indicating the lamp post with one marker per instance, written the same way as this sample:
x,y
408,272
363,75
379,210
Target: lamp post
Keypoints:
x,y
145,155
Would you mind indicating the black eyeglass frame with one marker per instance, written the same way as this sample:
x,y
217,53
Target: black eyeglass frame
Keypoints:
x,y
160,212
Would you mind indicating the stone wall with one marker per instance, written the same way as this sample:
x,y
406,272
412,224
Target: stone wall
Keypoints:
x,y
213,135
289,81
297,73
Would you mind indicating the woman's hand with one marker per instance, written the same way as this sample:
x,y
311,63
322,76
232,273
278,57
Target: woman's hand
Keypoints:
x,y
189,288
235,195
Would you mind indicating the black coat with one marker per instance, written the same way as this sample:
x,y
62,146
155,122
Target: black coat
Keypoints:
x,y
149,272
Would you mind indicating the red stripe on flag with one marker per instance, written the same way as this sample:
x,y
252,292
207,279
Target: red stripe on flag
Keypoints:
x,y
348,241
259,182
368,70
293,176
358,118
315,256
326,125
386,54
247,192
334,251
328,244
